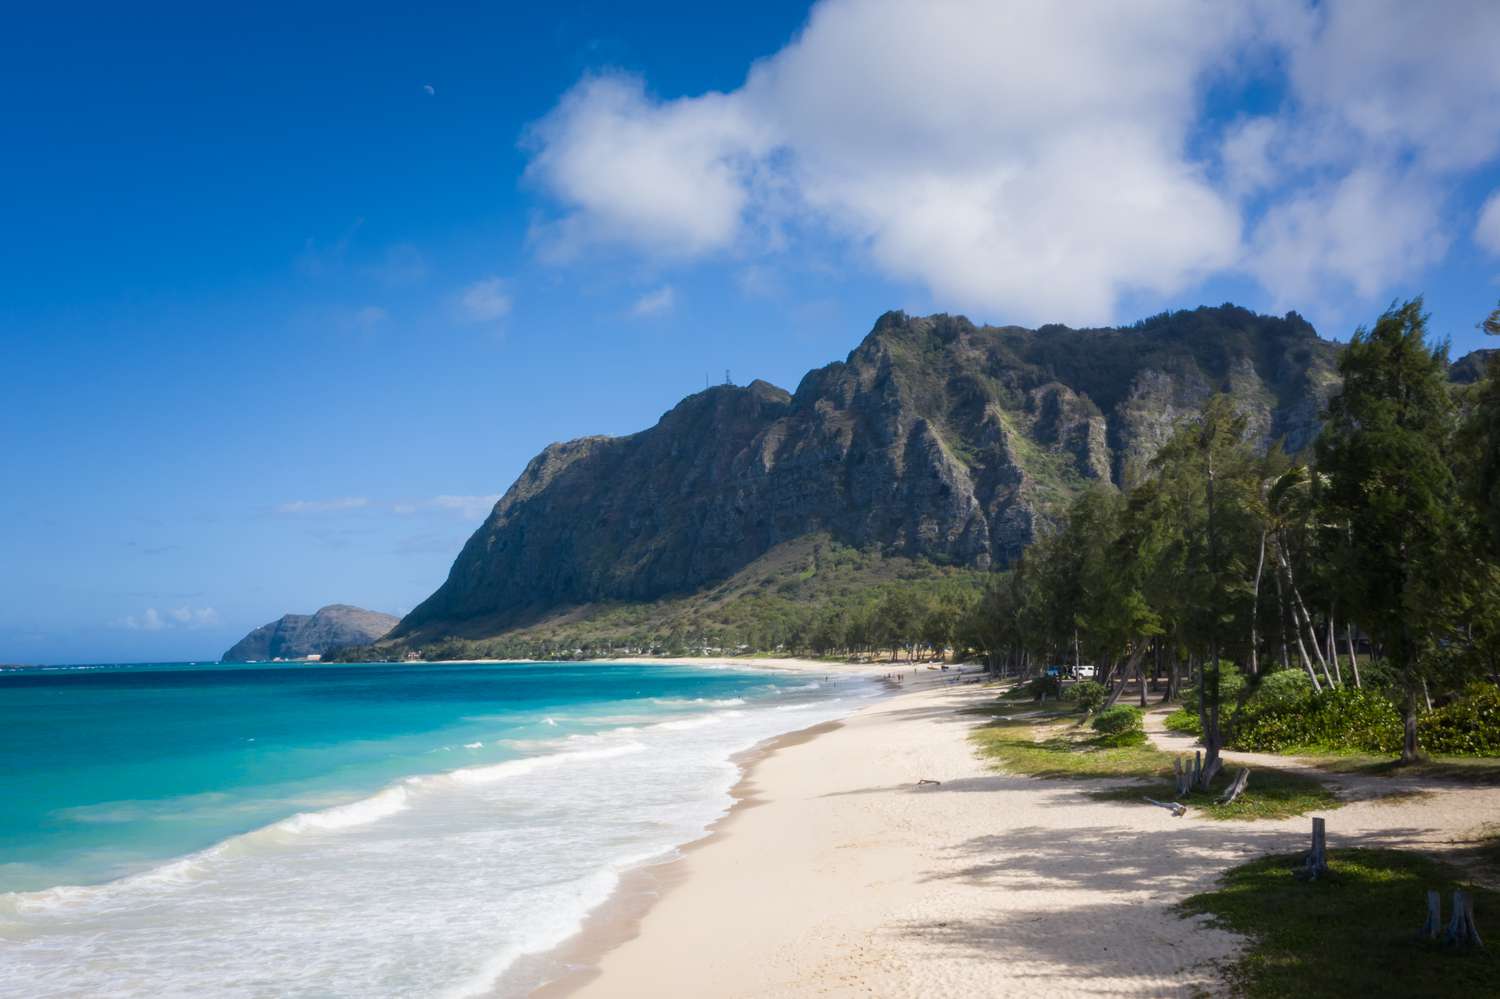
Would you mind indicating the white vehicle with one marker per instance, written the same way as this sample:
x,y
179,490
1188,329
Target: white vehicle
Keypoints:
x,y
1085,672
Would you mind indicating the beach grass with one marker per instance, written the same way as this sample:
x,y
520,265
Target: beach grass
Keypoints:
x,y
1351,934
1056,748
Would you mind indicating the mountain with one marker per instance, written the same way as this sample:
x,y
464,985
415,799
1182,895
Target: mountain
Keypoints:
x,y
936,441
297,636
1472,366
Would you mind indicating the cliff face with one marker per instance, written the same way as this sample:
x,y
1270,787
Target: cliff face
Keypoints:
x,y
296,636
934,439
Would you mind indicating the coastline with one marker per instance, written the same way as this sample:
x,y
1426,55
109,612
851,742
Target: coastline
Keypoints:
x,y
618,920
835,874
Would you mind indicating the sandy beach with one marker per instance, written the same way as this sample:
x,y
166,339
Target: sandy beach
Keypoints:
x,y
837,875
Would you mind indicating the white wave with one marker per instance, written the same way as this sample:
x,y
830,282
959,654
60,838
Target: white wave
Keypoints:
x,y
683,724
526,765
378,806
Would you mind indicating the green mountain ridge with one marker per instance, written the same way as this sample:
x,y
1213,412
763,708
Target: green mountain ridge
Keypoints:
x,y
936,448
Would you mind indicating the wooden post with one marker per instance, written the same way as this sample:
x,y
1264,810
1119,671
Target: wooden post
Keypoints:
x,y
1316,864
1434,924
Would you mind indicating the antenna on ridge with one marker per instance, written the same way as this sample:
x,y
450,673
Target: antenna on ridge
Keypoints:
x,y
726,377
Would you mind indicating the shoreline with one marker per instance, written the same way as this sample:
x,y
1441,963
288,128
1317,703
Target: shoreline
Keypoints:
x,y
837,874
618,919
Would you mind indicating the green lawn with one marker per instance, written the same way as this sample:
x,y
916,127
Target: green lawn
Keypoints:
x,y
1058,747
1352,934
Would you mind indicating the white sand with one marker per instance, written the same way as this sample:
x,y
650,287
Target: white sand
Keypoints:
x,y
842,878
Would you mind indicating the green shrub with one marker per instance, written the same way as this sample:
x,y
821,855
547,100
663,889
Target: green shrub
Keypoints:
x,y
1231,685
1184,722
1087,694
1470,726
1340,719
1288,686
1049,686
1120,725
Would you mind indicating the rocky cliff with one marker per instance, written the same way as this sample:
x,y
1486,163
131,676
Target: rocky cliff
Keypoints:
x,y
297,636
936,439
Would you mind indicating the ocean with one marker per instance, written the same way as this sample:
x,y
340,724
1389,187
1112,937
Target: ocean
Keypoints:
x,y
351,830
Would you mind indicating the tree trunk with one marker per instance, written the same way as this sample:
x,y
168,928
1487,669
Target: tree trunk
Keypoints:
x,y
1306,619
1260,566
1333,651
1132,665
1140,674
1409,737
1353,660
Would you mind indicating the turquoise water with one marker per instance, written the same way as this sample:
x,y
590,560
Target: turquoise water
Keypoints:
x,y
178,829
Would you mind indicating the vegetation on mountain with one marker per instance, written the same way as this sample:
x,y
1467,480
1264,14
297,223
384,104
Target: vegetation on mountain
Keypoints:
x,y
936,440
1243,564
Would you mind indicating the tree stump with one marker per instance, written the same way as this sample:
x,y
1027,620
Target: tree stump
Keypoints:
x,y
1183,776
1316,864
1434,924
1237,788
1461,929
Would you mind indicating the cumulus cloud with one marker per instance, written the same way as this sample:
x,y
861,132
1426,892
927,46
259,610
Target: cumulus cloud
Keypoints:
x,y
152,619
485,301
654,303
324,506
1040,160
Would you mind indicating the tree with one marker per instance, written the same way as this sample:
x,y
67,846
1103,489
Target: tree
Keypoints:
x,y
1384,450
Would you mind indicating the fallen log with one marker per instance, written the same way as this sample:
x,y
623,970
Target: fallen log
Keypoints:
x,y
1177,808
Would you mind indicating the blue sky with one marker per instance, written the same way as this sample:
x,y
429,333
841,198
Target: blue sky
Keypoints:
x,y
291,294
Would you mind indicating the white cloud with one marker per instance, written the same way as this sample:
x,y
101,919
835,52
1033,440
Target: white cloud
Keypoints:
x,y
654,303
324,506
1367,229
469,507
152,619
1038,160
1487,231
485,301
672,177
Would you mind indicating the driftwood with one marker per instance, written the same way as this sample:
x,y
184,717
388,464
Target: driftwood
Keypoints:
x,y
1237,788
1434,924
1316,864
1461,929
1177,808
925,780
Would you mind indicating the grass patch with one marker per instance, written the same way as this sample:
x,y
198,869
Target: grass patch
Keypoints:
x,y
1352,934
1022,746
1460,769
1271,794
1183,722
1042,747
